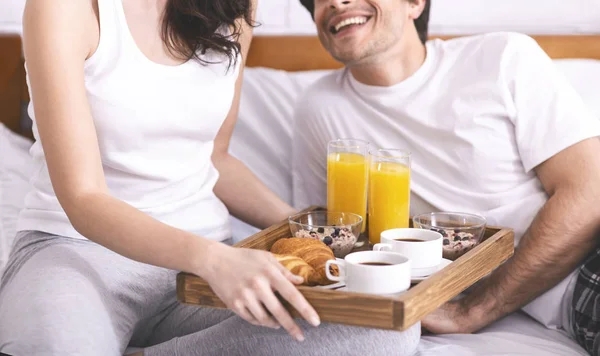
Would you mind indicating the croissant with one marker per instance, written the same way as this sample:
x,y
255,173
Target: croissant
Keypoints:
x,y
299,267
314,252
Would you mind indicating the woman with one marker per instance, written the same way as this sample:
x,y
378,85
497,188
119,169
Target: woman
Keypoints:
x,y
133,101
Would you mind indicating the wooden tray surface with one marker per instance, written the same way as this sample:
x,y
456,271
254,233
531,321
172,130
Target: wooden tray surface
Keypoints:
x,y
392,313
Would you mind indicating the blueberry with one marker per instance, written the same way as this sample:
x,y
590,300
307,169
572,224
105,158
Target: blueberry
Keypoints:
x,y
465,238
456,230
320,230
441,231
327,240
336,231
446,242
456,238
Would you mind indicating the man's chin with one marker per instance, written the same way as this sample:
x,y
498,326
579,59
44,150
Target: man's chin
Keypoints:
x,y
346,51
347,55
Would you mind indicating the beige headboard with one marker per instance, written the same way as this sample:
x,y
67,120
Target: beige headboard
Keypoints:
x,y
12,81
291,53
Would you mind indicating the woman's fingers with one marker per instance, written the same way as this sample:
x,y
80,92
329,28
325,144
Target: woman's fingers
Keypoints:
x,y
255,306
257,302
289,275
276,309
240,309
290,293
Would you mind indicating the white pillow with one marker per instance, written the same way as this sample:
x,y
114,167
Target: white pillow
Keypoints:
x,y
11,14
262,138
584,75
16,168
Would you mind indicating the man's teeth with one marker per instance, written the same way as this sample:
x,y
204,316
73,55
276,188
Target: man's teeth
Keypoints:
x,y
350,21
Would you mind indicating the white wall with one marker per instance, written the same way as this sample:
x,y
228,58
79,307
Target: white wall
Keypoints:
x,y
11,12
461,16
447,17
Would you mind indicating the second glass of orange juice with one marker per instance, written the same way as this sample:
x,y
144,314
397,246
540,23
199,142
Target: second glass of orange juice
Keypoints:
x,y
347,175
389,191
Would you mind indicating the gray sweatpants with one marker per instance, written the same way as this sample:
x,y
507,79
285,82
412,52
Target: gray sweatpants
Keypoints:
x,y
62,296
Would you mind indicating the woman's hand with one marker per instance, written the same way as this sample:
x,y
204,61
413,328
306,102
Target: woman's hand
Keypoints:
x,y
245,280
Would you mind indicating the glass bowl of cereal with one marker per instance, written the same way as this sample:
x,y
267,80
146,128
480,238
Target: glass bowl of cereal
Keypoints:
x,y
338,230
461,231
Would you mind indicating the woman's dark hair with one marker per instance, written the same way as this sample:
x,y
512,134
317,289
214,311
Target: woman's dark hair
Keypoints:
x,y
190,28
422,23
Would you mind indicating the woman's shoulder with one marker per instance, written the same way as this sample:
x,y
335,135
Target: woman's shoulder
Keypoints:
x,y
70,23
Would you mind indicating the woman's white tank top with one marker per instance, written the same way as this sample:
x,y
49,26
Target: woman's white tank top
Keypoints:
x,y
156,126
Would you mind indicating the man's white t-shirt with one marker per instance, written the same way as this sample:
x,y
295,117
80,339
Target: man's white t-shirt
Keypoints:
x,y
478,116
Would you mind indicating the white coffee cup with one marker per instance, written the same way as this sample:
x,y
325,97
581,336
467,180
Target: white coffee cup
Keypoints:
x,y
425,255
391,278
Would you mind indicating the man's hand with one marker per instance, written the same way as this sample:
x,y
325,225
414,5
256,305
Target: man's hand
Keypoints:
x,y
456,317
450,318
561,235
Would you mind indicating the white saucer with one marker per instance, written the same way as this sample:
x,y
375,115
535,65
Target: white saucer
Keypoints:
x,y
442,265
413,279
345,289
337,285
423,272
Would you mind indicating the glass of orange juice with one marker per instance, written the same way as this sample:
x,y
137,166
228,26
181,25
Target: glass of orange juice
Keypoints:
x,y
347,175
389,191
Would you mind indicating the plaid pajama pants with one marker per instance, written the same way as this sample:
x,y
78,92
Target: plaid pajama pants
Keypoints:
x,y
586,305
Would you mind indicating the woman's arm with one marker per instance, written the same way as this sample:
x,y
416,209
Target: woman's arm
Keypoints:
x,y
246,197
58,37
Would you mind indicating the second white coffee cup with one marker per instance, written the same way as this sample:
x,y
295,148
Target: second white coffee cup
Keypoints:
x,y
373,272
423,247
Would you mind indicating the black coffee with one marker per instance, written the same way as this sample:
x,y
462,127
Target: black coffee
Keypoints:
x,y
410,240
376,263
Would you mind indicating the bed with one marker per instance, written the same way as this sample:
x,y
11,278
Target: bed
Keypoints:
x,y
279,69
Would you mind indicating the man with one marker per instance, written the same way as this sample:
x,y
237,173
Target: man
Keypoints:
x,y
493,129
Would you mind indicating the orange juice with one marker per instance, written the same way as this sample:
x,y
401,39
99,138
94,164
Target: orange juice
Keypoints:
x,y
347,175
389,198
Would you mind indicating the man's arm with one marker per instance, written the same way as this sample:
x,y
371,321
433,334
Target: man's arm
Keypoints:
x,y
561,235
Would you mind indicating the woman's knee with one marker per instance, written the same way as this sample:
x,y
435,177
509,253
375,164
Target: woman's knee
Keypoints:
x,y
368,341
40,316
49,330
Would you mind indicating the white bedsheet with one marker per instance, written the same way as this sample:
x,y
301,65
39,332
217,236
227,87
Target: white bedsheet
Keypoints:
x,y
516,334
15,170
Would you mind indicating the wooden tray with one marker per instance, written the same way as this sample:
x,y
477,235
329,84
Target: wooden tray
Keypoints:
x,y
392,313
